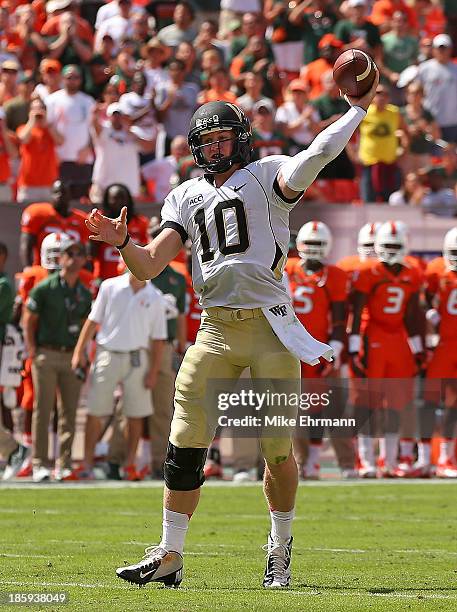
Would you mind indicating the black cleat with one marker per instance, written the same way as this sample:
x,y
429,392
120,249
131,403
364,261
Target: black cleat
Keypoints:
x,y
158,565
277,571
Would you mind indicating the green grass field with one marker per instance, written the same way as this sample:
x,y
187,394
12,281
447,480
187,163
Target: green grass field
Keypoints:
x,y
358,547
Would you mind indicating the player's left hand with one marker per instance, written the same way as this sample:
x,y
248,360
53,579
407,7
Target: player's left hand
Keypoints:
x,y
150,380
104,229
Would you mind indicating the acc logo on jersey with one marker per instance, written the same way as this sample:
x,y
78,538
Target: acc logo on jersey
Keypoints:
x,y
206,121
196,200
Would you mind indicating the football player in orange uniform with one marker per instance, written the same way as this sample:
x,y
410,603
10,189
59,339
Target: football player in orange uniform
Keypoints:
x,y
51,248
352,264
319,293
43,218
105,257
385,354
441,292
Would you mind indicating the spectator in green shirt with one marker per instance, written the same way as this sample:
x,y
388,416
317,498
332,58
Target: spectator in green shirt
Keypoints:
x,y
56,310
399,51
6,293
357,32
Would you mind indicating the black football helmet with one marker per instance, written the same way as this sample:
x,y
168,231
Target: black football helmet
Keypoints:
x,y
219,115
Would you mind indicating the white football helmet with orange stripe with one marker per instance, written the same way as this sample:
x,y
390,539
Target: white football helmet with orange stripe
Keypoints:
x,y
52,247
314,241
391,242
450,249
366,238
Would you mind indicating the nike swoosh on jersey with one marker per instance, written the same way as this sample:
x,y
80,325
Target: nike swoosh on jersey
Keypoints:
x,y
147,573
239,187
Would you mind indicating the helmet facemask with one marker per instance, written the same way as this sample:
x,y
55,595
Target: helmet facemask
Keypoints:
x,y
450,255
366,251
241,150
313,250
391,253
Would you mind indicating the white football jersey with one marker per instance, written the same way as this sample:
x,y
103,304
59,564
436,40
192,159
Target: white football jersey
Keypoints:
x,y
239,234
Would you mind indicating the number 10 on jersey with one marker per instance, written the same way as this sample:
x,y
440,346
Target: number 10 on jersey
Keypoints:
x,y
241,246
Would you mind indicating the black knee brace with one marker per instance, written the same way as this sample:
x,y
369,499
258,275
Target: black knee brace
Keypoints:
x,y
183,468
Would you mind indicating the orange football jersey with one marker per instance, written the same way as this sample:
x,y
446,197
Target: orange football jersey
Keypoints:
x,y
387,294
444,286
108,257
313,294
290,264
42,219
193,311
32,275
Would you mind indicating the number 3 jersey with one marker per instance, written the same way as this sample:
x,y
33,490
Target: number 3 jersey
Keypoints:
x,y
239,234
387,294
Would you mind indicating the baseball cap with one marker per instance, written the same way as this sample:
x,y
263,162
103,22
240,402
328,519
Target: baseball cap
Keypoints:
x,y
10,64
114,107
355,3
442,40
57,5
264,103
50,65
297,85
71,69
330,40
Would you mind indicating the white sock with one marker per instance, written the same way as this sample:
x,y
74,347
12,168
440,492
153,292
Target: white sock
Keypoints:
x,y
446,450
314,455
366,450
281,525
424,453
391,449
175,525
382,450
144,457
406,448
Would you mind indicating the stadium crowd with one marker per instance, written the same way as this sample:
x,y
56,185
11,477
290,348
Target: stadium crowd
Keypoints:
x,y
95,104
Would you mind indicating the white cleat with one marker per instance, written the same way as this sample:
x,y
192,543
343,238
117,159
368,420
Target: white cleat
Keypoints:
x,y
367,471
447,469
41,474
15,461
242,476
277,571
157,565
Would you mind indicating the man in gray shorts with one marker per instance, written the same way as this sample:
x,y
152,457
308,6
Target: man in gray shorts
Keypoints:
x,y
131,317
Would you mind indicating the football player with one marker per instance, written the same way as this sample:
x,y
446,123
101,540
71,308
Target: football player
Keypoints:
x,y
319,294
105,257
385,353
441,292
237,218
40,219
352,264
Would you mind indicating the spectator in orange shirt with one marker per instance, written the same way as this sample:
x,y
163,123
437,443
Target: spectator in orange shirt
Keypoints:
x,y
38,169
431,18
7,152
27,44
67,45
219,88
329,49
57,8
383,11
8,80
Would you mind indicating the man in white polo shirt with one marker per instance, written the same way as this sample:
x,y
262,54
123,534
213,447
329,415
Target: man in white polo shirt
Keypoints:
x,y
131,319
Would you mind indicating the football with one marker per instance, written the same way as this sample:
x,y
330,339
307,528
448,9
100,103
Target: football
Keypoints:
x,y
354,72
